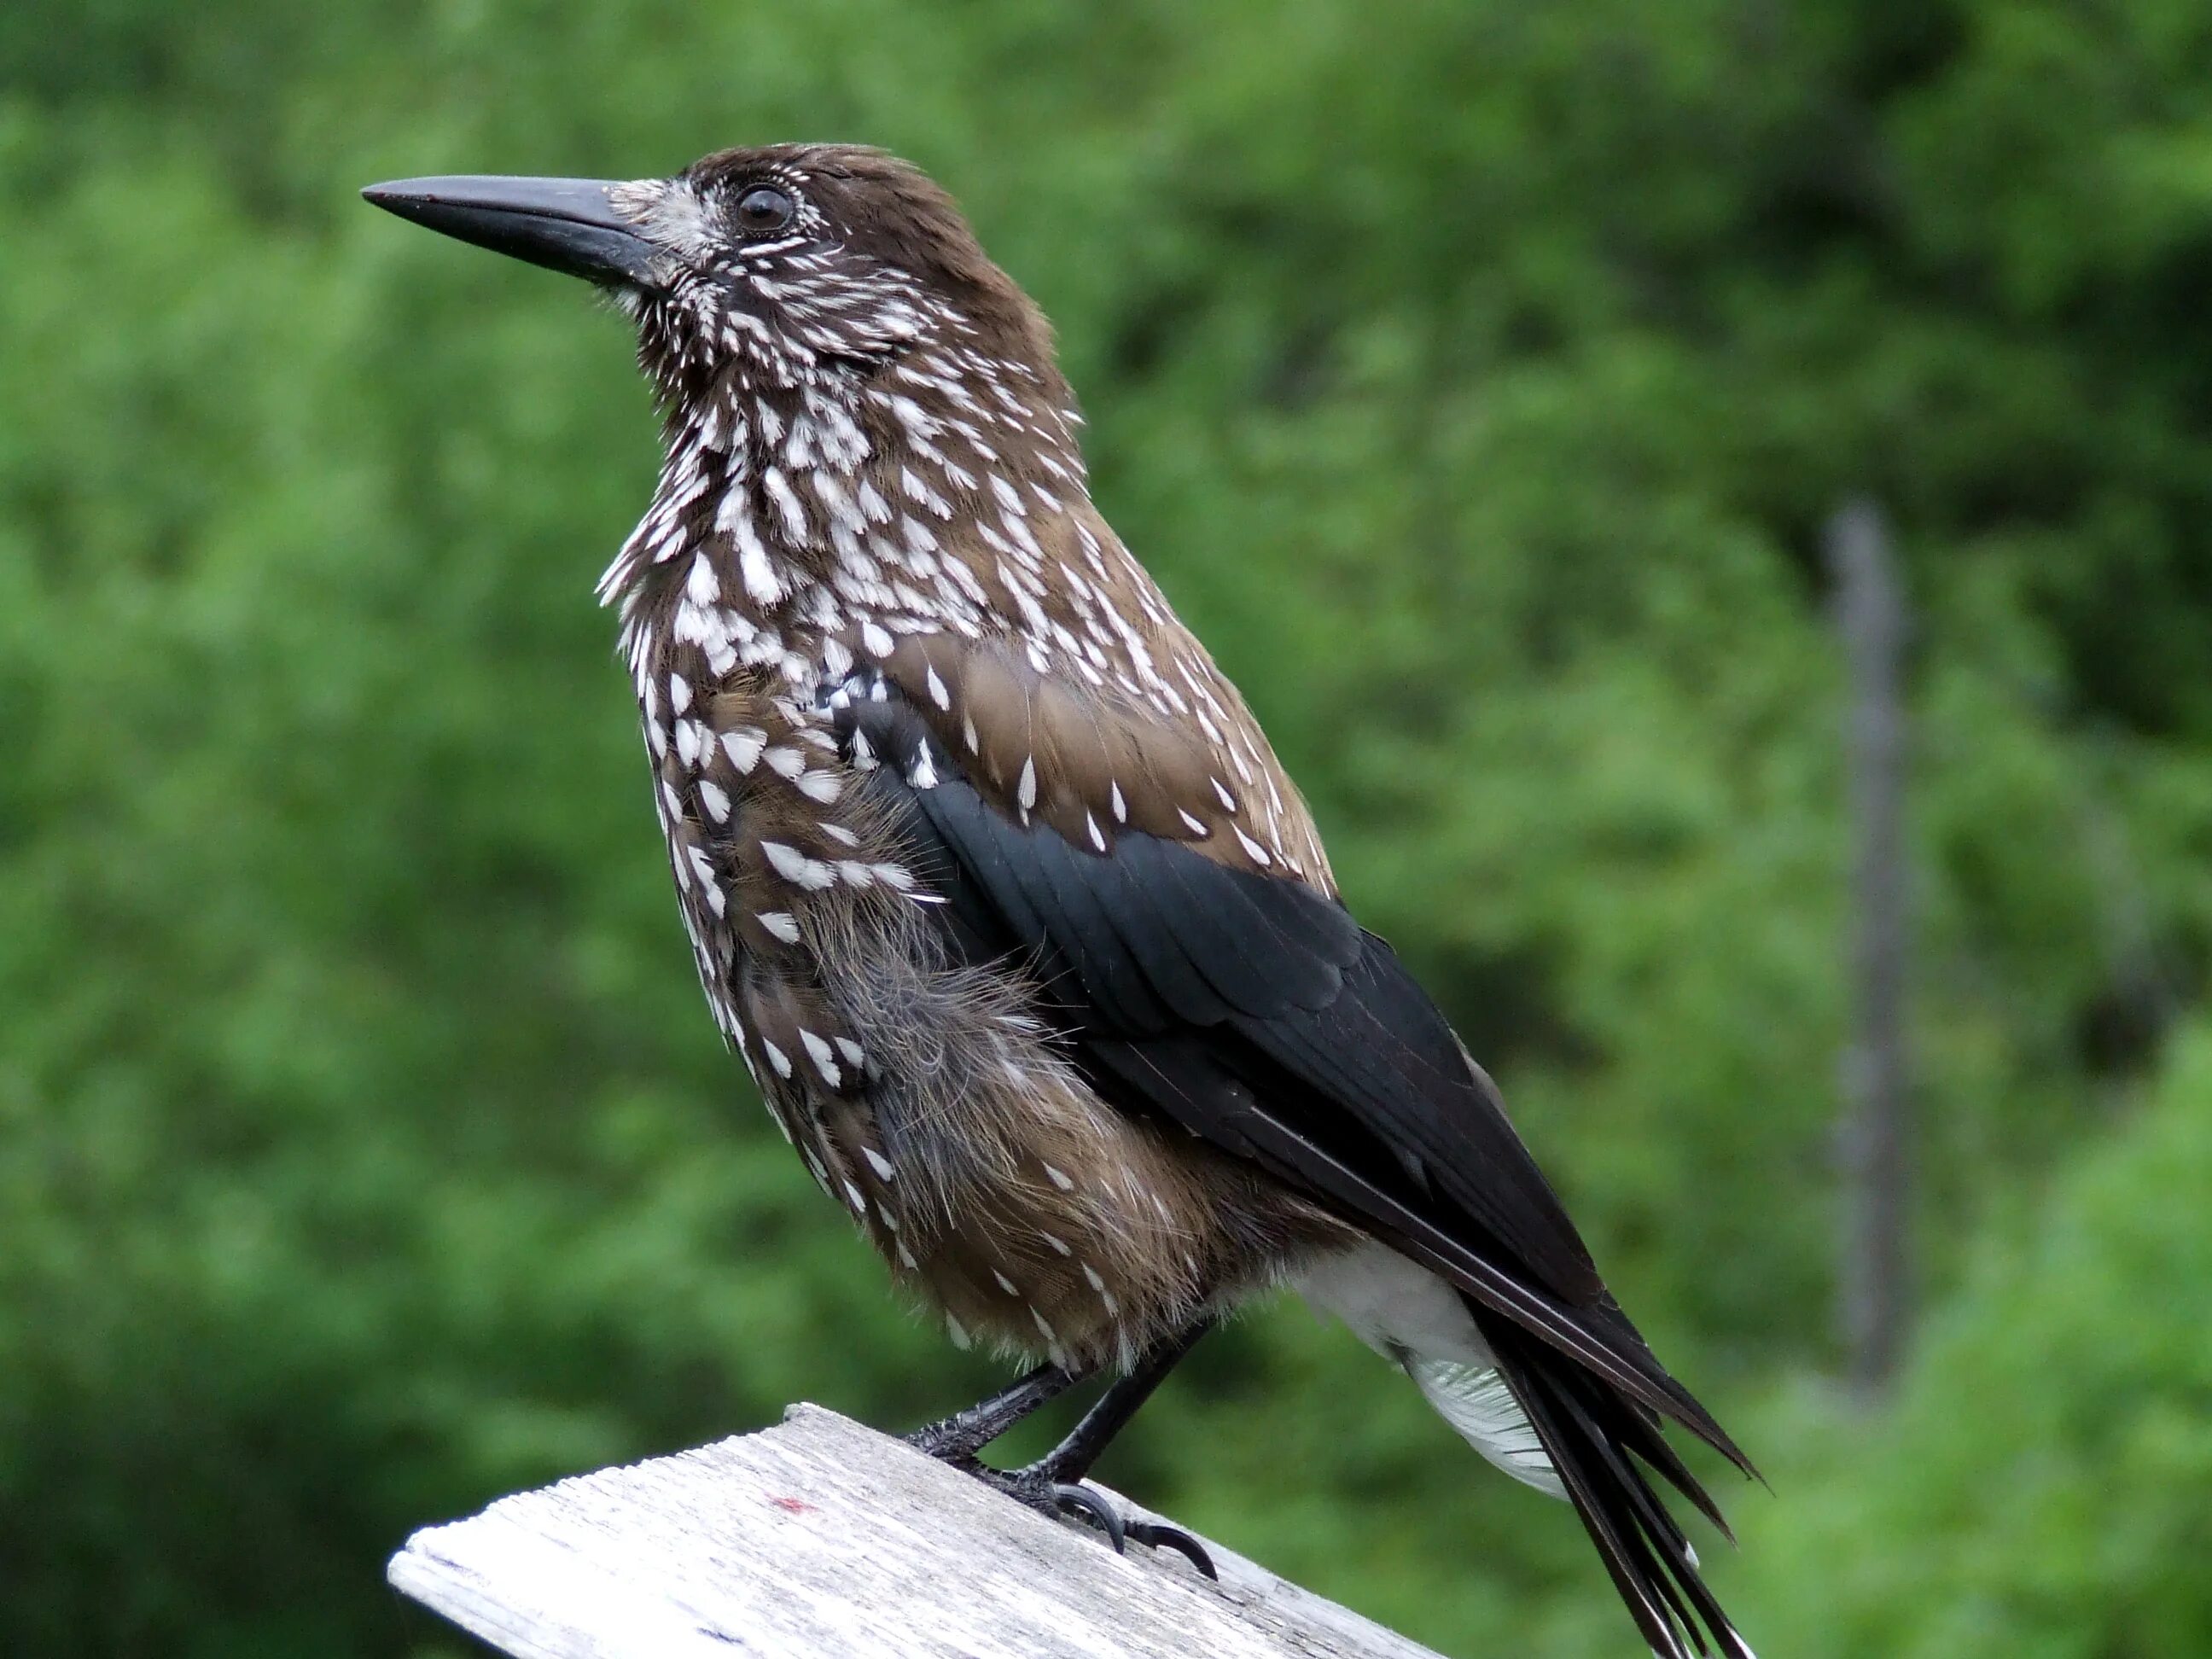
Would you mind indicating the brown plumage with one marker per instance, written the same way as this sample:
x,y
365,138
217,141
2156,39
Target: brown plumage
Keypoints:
x,y
994,879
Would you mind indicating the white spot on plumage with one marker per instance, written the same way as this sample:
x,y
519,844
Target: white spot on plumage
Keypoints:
x,y
781,924
754,569
701,586
1058,1178
788,507
778,1059
825,1060
794,867
880,1164
743,747
1106,1298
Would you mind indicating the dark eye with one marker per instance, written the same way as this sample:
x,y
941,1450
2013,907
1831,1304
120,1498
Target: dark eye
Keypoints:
x,y
764,208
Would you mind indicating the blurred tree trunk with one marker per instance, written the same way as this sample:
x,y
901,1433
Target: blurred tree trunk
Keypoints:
x,y
1875,1287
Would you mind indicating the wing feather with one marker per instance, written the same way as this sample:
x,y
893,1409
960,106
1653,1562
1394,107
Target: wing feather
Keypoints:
x,y
1253,1010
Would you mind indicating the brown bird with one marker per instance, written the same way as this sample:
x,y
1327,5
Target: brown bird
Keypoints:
x,y
995,883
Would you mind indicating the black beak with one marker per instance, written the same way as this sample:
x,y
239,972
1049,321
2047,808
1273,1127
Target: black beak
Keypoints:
x,y
569,225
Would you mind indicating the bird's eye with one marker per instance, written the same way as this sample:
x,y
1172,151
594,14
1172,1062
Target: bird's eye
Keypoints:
x,y
764,208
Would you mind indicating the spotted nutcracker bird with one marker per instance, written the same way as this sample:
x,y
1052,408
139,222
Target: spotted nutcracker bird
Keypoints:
x,y
995,883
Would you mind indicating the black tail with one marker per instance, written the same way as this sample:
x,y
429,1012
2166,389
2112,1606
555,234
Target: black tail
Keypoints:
x,y
1601,1442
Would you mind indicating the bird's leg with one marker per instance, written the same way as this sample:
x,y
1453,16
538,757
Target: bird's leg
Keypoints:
x,y
956,1439
1072,1458
1066,1464
1051,1485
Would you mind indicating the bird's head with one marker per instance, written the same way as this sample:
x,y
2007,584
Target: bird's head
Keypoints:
x,y
786,267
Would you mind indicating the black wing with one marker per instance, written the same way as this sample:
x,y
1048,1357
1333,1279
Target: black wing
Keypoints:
x,y
1255,1012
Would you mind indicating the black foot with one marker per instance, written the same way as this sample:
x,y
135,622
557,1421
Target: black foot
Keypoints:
x,y
1035,1488
948,1440
957,1438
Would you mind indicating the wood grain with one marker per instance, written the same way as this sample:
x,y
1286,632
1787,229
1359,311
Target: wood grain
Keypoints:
x,y
821,1539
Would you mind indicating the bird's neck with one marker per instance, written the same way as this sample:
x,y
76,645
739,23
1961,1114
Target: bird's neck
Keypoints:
x,y
795,511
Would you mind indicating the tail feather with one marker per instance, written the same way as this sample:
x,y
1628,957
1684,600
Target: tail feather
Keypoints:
x,y
1595,1440
1641,1435
1476,1401
1537,1411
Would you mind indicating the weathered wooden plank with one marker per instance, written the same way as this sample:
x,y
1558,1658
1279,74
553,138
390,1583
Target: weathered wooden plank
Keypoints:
x,y
821,1539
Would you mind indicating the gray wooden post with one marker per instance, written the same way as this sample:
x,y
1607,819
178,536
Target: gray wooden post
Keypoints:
x,y
821,1539
1875,1280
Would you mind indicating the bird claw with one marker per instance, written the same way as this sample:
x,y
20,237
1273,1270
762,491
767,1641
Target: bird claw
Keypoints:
x,y
1074,1498
1153,1534
1036,1489
1156,1534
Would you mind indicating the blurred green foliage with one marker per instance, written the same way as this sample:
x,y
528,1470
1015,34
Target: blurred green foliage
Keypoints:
x,y
1477,378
